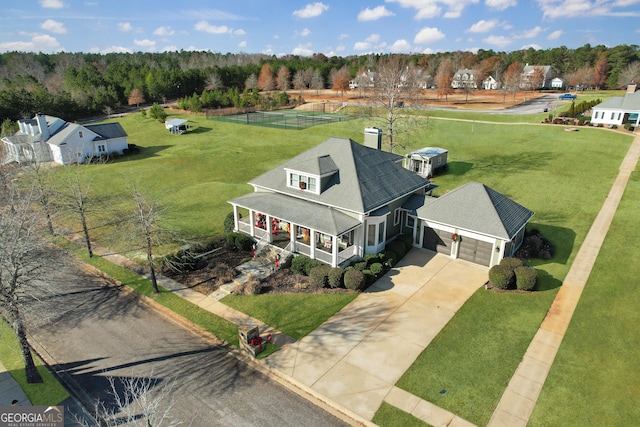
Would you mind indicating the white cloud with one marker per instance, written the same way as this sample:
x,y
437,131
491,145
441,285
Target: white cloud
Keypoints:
x,y
52,4
555,35
163,31
532,46
111,49
303,50
125,26
374,14
53,26
528,34
426,9
239,32
170,48
341,48
373,38
482,26
145,43
500,4
571,8
311,10
212,29
400,46
305,32
362,46
500,41
38,43
428,35
242,44
343,36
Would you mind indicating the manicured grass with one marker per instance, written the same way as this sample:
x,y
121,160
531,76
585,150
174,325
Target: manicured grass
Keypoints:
x,y
294,314
48,393
390,416
595,378
221,328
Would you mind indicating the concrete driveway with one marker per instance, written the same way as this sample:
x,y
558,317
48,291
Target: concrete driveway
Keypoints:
x,y
356,357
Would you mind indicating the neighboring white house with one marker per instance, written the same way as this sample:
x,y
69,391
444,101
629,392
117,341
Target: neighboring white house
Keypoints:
x,y
490,83
427,161
619,110
464,78
47,138
529,72
557,83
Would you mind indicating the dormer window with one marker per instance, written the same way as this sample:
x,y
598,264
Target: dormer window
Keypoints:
x,y
80,134
303,182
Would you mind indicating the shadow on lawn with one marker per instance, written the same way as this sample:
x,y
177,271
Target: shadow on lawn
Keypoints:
x,y
145,153
563,239
458,168
508,164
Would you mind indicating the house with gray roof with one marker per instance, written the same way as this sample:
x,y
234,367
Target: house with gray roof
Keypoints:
x,y
341,200
619,110
47,138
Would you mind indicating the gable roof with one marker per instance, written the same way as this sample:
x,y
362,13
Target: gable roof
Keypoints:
x,y
107,131
476,207
363,179
628,102
61,136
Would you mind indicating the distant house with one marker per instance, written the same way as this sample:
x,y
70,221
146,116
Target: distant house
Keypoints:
x,y
557,83
47,138
427,161
528,77
490,83
619,110
341,200
464,79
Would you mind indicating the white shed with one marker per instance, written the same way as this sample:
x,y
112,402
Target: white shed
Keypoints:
x,y
426,161
177,126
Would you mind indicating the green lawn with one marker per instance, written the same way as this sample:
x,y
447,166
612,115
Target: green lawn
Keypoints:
x,y
595,378
47,393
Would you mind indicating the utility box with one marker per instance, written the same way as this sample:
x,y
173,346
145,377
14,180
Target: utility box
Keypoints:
x,y
250,340
373,138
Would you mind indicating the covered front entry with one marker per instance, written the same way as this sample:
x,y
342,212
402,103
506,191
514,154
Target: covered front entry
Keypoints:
x,y
474,250
437,240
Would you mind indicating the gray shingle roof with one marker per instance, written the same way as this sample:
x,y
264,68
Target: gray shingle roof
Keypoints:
x,y
107,131
476,207
630,102
365,179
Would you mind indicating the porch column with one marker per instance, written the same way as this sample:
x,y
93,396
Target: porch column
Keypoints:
x,y
268,225
292,235
334,251
252,223
236,227
312,243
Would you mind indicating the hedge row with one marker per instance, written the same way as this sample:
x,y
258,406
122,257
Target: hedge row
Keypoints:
x,y
511,273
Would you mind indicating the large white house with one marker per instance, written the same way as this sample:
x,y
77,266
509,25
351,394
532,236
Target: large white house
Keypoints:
x,y
619,110
47,138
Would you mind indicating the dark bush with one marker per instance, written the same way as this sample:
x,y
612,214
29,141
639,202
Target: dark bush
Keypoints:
x,y
319,275
407,239
243,242
512,263
526,278
389,257
399,248
501,277
371,258
229,223
310,264
354,280
335,277
299,263
376,269
369,277
535,245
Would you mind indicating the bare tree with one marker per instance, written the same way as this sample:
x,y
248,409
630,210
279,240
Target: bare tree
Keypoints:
x,y
340,79
394,84
251,82
300,81
266,81
42,187
213,82
20,264
512,78
443,78
282,79
136,97
628,74
136,405
315,80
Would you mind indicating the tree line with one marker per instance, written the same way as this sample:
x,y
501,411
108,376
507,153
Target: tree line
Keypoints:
x,y
74,85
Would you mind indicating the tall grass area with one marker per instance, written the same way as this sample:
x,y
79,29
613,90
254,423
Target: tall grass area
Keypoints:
x,y
595,378
49,392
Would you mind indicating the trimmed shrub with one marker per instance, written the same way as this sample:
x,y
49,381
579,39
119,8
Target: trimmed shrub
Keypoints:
x,y
399,248
298,264
243,242
335,277
369,278
228,223
310,264
526,278
389,257
501,277
360,265
354,280
407,239
376,269
512,263
319,275
371,258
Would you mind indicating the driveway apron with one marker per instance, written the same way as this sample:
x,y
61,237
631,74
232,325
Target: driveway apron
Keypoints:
x,y
357,356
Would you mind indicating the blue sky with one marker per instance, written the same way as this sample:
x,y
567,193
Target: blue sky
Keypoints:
x,y
332,27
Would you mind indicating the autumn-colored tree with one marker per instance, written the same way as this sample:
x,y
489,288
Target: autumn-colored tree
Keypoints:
x,y
512,78
282,81
600,71
266,81
340,81
581,78
536,78
443,78
136,97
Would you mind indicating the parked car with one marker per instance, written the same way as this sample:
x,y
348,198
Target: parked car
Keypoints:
x,y
567,96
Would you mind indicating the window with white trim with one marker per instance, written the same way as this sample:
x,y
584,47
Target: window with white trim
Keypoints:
x,y
303,182
410,221
397,214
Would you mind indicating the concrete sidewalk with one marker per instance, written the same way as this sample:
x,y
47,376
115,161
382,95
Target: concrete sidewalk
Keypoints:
x,y
10,390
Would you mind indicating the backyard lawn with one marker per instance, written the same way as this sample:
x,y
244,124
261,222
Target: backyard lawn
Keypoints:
x,y
562,176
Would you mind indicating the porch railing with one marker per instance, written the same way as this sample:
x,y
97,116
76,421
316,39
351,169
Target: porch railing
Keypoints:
x,y
349,252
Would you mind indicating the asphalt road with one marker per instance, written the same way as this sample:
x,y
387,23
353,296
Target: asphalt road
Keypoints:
x,y
89,332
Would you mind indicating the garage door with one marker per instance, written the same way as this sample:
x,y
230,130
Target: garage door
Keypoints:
x,y
475,250
437,240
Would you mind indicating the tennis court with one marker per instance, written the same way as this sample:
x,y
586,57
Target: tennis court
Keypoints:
x,y
284,119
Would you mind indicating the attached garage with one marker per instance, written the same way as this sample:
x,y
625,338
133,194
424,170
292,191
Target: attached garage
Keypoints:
x,y
475,250
437,240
